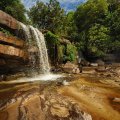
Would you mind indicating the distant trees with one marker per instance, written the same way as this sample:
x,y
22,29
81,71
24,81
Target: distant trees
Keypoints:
x,y
113,22
15,8
98,25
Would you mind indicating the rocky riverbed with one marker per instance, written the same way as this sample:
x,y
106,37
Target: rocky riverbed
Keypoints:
x,y
86,96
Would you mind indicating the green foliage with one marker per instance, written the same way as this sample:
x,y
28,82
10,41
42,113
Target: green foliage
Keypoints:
x,y
52,43
71,52
98,39
70,27
98,24
15,8
61,52
47,16
93,28
52,38
93,11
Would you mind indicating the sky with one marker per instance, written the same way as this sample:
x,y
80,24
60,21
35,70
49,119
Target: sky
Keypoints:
x,y
68,5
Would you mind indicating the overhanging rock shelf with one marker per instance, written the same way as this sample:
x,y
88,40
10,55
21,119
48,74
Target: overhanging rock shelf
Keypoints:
x,y
13,52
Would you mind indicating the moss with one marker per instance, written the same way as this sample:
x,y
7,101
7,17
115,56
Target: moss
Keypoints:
x,y
52,38
61,52
71,52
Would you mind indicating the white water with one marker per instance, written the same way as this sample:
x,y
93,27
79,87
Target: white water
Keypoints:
x,y
36,40
43,77
43,56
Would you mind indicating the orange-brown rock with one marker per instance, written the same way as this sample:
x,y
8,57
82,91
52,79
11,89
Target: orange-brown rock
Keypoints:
x,y
11,40
8,21
13,53
10,51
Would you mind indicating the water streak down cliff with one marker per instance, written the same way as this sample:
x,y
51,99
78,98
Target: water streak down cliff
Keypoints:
x,y
38,55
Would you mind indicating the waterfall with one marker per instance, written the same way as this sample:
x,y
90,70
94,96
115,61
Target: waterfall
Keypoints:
x,y
38,55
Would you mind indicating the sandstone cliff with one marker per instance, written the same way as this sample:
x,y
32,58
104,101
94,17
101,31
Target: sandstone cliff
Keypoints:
x,y
13,53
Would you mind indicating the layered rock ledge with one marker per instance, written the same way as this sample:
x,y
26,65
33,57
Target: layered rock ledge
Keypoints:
x,y
12,41
8,20
13,51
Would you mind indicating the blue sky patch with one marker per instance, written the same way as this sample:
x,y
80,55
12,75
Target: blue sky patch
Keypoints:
x,y
68,5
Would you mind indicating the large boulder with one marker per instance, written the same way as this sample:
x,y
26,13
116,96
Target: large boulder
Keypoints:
x,y
70,68
100,62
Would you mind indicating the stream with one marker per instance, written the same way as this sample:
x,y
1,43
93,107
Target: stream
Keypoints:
x,y
41,100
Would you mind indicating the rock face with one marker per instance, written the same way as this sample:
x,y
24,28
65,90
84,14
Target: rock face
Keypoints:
x,y
12,53
12,49
13,41
42,107
8,21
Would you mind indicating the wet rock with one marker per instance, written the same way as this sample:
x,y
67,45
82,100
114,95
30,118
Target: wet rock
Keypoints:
x,y
76,71
87,116
116,100
100,62
118,71
70,68
101,69
60,111
94,64
65,83
48,106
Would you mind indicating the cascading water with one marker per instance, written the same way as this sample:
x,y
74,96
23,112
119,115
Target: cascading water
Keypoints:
x,y
42,50
38,58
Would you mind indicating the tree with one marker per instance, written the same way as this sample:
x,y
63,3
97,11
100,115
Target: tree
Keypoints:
x,y
15,8
98,40
113,22
113,5
47,16
70,27
38,15
93,11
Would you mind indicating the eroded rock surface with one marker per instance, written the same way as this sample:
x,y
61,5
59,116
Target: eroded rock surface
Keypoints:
x,y
48,106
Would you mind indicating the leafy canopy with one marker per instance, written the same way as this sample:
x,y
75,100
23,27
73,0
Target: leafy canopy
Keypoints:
x,y
47,16
15,8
